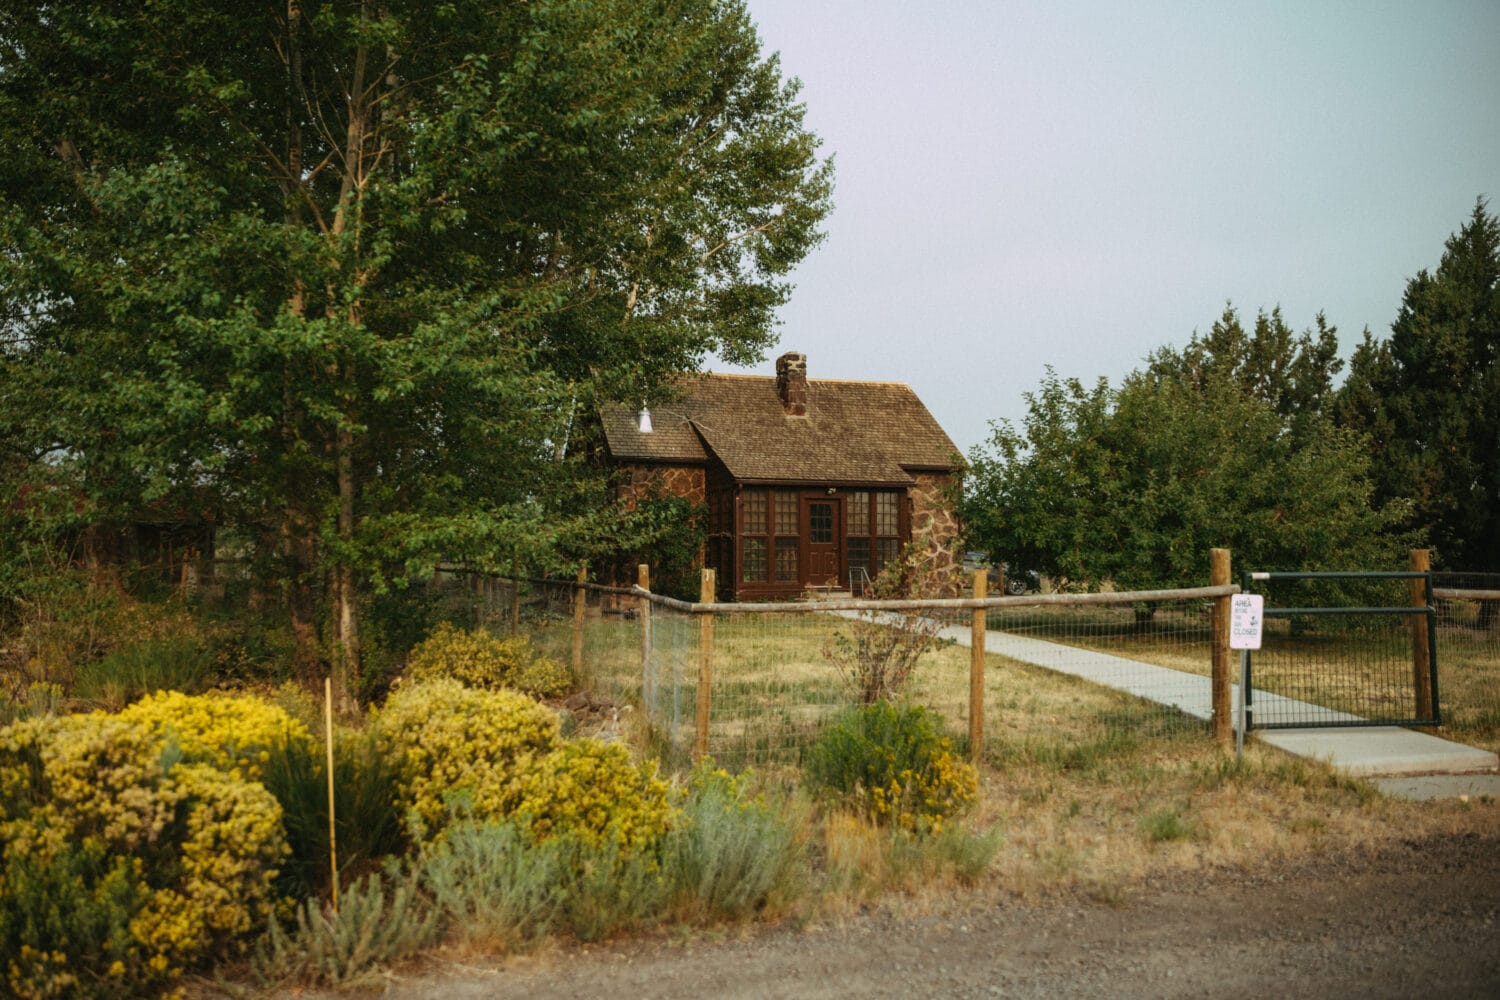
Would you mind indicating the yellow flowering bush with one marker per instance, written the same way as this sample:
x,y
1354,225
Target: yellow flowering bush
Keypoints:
x,y
120,868
892,764
232,732
596,791
456,746
479,659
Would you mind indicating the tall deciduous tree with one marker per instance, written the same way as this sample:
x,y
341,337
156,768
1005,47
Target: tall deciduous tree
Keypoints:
x,y
350,267
1222,444
1429,398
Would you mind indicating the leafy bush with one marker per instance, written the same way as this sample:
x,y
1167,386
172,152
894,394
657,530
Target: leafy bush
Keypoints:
x,y
594,791
876,652
891,764
379,920
232,732
122,865
730,853
460,749
479,659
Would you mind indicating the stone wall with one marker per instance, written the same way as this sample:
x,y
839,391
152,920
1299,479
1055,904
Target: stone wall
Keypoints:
x,y
934,532
675,480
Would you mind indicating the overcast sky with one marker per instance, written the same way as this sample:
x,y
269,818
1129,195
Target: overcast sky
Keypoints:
x,y
1023,184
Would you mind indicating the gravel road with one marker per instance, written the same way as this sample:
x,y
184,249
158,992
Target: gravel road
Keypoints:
x,y
1415,919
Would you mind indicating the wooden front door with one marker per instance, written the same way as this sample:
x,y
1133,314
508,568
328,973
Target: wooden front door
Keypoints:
x,y
821,517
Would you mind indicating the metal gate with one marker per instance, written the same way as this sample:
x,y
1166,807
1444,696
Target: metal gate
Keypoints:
x,y
1342,649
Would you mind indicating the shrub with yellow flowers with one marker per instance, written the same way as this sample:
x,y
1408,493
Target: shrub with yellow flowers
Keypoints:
x,y
594,790
479,659
462,749
232,732
892,764
122,864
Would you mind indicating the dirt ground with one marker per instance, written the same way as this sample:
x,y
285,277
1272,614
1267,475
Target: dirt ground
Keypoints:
x,y
1415,918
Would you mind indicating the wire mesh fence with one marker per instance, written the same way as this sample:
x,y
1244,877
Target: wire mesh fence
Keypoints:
x,y
1101,664
778,675
1468,643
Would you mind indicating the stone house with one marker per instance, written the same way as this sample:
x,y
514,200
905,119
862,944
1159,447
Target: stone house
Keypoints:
x,y
809,484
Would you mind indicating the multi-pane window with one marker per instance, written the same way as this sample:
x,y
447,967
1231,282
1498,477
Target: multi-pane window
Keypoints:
x,y
887,514
820,523
755,560
768,522
872,529
786,560
786,512
753,512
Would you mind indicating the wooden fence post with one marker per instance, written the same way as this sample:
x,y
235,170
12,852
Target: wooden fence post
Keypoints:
x,y
705,666
580,603
1219,576
1420,561
977,627
515,599
643,580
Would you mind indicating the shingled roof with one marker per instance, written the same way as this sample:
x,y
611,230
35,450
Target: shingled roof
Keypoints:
x,y
866,433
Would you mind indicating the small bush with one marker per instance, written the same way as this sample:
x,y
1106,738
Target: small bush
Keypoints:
x,y
123,866
607,888
1166,824
493,885
730,854
478,659
231,732
379,920
463,750
890,763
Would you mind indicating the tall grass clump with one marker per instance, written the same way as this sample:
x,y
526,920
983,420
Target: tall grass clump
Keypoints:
x,y
369,824
172,663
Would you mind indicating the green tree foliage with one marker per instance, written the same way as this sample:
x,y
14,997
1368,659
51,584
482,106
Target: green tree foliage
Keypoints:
x,y
346,271
1429,399
1221,444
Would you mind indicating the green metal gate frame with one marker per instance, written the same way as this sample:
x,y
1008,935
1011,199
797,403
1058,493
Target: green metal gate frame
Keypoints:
x,y
1426,609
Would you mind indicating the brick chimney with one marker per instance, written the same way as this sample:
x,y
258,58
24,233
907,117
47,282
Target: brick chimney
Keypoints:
x,y
791,383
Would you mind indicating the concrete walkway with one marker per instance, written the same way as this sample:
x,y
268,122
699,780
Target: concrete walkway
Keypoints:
x,y
1384,752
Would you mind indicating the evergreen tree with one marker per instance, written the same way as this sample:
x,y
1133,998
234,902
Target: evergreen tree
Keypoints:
x,y
1429,399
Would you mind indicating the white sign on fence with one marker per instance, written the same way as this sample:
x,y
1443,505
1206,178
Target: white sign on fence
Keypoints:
x,y
1246,616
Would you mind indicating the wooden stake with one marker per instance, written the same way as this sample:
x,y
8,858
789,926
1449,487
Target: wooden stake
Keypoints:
x,y
333,847
643,580
515,599
977,628
580,603
705,666
1219,576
